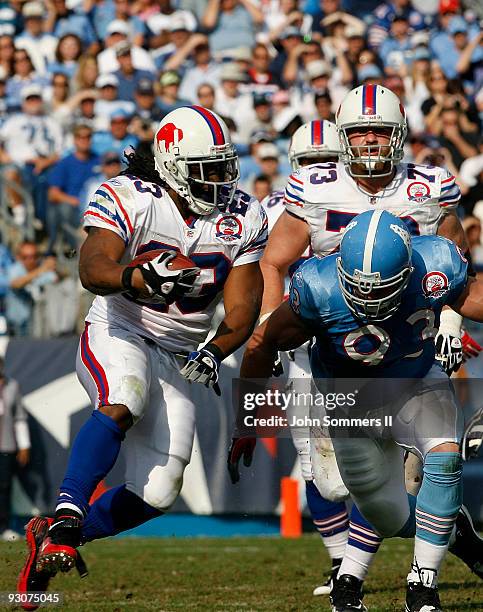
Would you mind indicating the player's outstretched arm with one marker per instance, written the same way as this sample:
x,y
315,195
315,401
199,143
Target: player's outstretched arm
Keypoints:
x,y
450,227
287,241
99,268
282,331
470,302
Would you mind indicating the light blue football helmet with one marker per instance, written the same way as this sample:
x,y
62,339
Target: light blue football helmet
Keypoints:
x,y
374,265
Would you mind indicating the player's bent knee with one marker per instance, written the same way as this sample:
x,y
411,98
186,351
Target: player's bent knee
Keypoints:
x,y
164,484
326,471
118,413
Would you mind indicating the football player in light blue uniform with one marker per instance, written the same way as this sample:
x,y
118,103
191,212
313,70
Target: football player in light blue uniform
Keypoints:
x,y
374,309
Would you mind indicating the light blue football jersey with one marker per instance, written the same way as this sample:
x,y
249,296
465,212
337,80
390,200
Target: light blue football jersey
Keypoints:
x,y
400,346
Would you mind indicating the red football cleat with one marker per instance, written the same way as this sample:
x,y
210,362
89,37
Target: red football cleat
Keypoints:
x,y
30,579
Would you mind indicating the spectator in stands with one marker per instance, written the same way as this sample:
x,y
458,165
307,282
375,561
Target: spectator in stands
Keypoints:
x,y
348,58
298,59
262,187
323,105
288,40
267,156
108,102
66,182
62,20
170,56
384,16
118,31
231,23
262,119
14,446
230,101
7,50
27,278
204,70
110,167
460,142
59,92
5,263
169,98
449,55
128,76
259,73
395,48
103,13
23,75
147,108
87,73
118,137
370,74
471,180
206,96
31,143
67,55
39,45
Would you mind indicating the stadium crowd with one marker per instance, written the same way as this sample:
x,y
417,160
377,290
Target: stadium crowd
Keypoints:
x,y
82,80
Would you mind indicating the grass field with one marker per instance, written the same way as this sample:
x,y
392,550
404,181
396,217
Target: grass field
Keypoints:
x,y
245,574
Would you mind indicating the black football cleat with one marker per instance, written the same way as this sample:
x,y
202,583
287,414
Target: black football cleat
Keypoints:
x,y
468,545
346,594
420,598
58,551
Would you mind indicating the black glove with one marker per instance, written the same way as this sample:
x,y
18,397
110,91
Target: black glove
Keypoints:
x,y
449,352
239,447
203,367
166,284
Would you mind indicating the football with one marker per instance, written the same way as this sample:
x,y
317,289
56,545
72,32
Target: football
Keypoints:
x,y
180,262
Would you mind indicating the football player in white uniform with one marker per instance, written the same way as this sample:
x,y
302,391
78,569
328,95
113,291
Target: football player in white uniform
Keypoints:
x,y
140,351
320,202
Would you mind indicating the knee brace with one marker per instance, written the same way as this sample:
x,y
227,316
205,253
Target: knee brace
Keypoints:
x,y
326,471
164,484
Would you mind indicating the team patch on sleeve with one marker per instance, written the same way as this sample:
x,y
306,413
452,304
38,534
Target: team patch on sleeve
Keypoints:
x,y
450,192
107,211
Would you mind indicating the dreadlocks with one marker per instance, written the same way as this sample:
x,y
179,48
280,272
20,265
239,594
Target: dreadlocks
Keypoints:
x,y
141,164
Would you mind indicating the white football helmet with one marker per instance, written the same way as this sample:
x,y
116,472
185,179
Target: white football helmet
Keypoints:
x,y
375,106
194,155
317,139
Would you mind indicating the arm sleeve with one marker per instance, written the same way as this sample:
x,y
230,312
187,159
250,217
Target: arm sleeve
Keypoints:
x,y
459,273
450,193
293,196
301,298
256,238
110,209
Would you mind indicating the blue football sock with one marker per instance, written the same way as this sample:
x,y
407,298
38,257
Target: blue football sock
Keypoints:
x,y
329,517
439,498
361,533
93,455
116,510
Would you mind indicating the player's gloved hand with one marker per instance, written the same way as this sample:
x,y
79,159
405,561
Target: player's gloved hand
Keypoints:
x,y
165,283
240,447
203,367
471,348
449,352
277,369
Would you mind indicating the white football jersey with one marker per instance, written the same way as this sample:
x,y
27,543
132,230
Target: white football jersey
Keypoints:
x,y
146,218
328,198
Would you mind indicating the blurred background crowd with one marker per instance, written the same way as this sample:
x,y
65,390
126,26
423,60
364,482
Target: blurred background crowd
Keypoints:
x,y
81,80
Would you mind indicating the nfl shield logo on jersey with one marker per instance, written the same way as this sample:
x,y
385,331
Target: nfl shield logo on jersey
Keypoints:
x,y
435,284
418,192
228,228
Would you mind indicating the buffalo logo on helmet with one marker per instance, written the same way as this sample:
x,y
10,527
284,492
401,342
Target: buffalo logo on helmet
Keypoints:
x,y
228,228
170,135
418,192
435,284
